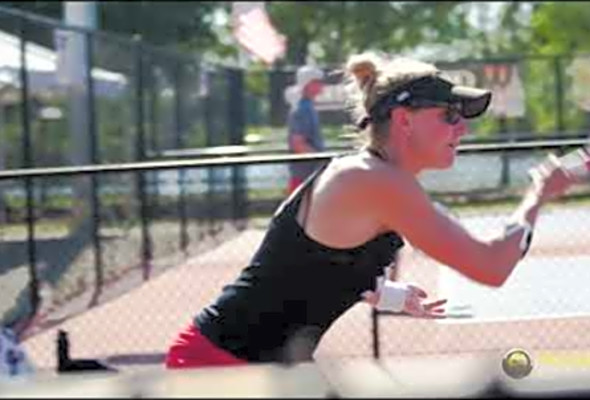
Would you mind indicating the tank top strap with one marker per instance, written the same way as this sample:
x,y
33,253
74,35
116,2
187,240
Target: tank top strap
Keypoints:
x,y
291,204
304,188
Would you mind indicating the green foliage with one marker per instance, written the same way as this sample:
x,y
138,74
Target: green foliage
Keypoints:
x,y
334,29
257,81
116,129
329,31
560,27
483,127
188,26
196,137
541,100
509,35
12,135
162,22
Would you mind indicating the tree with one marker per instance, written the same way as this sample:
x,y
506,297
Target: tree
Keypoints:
x,y
560,27
499,29
182,25
164,23
333,29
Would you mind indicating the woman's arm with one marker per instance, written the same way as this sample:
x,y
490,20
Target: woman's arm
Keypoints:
x,y
405,208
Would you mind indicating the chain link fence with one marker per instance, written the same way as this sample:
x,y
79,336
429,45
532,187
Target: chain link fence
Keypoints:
x,y
163,295
70,243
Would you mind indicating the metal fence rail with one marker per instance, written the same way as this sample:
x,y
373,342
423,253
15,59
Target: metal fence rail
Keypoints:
x,y
223,160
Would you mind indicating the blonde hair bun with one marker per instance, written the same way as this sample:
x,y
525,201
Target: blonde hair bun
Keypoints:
x,y
363,67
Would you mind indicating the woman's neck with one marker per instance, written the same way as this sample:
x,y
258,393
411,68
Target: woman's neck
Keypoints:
x,y
391,158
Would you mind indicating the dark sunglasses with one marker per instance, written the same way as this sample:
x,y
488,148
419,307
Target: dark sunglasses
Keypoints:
x,y
451,116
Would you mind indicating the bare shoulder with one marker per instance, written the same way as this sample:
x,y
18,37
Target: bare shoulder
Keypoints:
x,y
375,182
345,174
360,171
373,196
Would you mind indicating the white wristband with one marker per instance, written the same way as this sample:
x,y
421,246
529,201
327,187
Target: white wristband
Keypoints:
x,y
392,296
525,240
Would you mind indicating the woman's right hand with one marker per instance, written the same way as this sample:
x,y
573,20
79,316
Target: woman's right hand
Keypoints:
x,y
549,179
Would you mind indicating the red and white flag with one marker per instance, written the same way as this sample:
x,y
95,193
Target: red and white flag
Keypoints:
x,y
254,31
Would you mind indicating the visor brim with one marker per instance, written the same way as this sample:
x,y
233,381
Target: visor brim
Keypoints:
x,y
474,101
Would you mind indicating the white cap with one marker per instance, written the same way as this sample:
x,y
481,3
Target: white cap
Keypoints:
x,y
303,76
307,74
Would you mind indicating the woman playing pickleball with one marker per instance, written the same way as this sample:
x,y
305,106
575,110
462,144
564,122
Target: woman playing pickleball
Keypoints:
x,y
329,242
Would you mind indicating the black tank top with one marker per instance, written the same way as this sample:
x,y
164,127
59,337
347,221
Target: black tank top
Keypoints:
x,y
293,289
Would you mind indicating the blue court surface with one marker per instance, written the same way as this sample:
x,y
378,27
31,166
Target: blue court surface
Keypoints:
x,y
541,286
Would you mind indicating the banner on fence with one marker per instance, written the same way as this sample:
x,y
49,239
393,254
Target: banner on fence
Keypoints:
x,y
579,71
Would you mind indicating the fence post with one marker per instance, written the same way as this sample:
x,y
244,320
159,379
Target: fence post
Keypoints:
x,y
278,108
211,140
28,163
151,140
504,157
179,131
375,333
236,116
558,94
95,184
146,243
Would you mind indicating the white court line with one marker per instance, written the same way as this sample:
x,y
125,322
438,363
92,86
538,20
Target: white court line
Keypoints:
x,y
475,320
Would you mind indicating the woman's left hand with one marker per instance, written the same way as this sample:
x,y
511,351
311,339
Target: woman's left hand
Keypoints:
x,y
415,304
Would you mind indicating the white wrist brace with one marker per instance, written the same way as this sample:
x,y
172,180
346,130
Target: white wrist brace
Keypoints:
x,y
527,235
392,295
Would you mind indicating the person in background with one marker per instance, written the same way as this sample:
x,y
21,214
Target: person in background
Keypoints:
x,y
304,131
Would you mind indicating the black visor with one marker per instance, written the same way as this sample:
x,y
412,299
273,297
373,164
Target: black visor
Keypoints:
x,y
433,90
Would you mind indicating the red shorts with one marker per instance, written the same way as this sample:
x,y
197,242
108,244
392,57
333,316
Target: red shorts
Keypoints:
x,y
191,350
293,184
